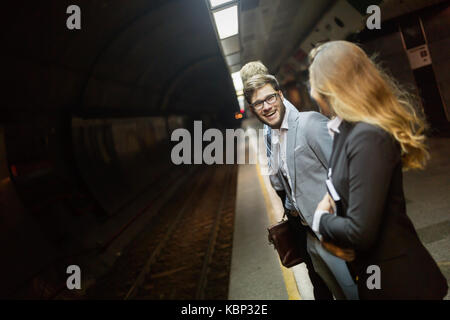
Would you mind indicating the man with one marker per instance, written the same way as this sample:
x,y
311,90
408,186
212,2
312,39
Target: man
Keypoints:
x,y
299,146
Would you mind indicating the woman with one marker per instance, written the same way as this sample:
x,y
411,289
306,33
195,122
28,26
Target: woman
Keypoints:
x,y
377,133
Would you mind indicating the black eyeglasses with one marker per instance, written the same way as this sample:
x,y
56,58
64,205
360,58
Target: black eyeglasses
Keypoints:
x,y
270,99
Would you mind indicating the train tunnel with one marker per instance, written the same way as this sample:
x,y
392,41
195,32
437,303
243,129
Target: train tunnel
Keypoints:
x,y
92,93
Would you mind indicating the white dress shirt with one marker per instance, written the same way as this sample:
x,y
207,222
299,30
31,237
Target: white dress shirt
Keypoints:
x,y
278,147
333,126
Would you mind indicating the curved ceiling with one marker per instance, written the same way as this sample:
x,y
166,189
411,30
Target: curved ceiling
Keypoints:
x,y
134,58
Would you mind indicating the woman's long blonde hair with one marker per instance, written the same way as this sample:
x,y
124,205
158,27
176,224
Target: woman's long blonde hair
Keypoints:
x,y
358,90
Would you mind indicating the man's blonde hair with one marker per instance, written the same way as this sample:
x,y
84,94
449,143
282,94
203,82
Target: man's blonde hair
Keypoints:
x,y
251,69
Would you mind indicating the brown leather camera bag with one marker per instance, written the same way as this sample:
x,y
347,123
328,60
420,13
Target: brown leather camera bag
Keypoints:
x,y
287,244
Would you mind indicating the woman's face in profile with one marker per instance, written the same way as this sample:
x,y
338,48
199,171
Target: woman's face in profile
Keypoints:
x,y
323,105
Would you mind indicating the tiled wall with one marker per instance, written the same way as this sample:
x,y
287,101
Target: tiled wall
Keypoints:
x,y
393,57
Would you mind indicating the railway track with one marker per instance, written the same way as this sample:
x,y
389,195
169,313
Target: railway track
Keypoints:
x,y
185,252
50,281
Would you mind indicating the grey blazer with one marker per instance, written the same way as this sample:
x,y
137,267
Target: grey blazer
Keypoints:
x,y
308,149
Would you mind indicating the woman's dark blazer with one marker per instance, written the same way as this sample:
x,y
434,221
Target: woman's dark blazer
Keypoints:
x,y
366,172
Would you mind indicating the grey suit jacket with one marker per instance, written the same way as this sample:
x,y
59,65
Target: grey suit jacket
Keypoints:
x,y
308,148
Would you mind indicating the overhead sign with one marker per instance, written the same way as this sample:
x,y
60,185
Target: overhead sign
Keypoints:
x,y
419,56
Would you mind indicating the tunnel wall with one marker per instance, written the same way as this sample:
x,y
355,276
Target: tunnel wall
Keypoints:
x,y
86,119
118,158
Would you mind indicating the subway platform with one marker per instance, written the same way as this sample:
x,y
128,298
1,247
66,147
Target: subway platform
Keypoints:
x,y
256,271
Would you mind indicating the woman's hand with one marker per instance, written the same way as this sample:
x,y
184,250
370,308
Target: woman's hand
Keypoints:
x,y
343,253
326,204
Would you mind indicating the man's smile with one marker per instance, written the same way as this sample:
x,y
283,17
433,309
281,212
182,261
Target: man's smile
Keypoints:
x,y
271,115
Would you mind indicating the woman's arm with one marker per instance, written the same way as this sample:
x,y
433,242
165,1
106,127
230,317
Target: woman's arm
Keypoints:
x,y
371,159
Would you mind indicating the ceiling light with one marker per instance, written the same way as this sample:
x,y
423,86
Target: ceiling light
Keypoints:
x,y
215,3
237,81
226,22
241,103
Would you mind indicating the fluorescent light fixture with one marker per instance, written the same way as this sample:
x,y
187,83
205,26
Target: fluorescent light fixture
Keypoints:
x,y
226,22
241,103
237,81
215,3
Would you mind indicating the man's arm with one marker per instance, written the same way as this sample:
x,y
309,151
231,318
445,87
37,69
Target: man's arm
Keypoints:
x,y
279,189
317,136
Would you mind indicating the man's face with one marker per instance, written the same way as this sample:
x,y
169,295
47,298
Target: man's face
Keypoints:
x,y
270,114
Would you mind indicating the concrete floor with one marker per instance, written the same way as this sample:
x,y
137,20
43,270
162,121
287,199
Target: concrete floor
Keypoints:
x,y
255,271
428,204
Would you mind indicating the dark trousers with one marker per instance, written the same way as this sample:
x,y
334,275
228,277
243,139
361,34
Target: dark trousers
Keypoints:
x,y
321,291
